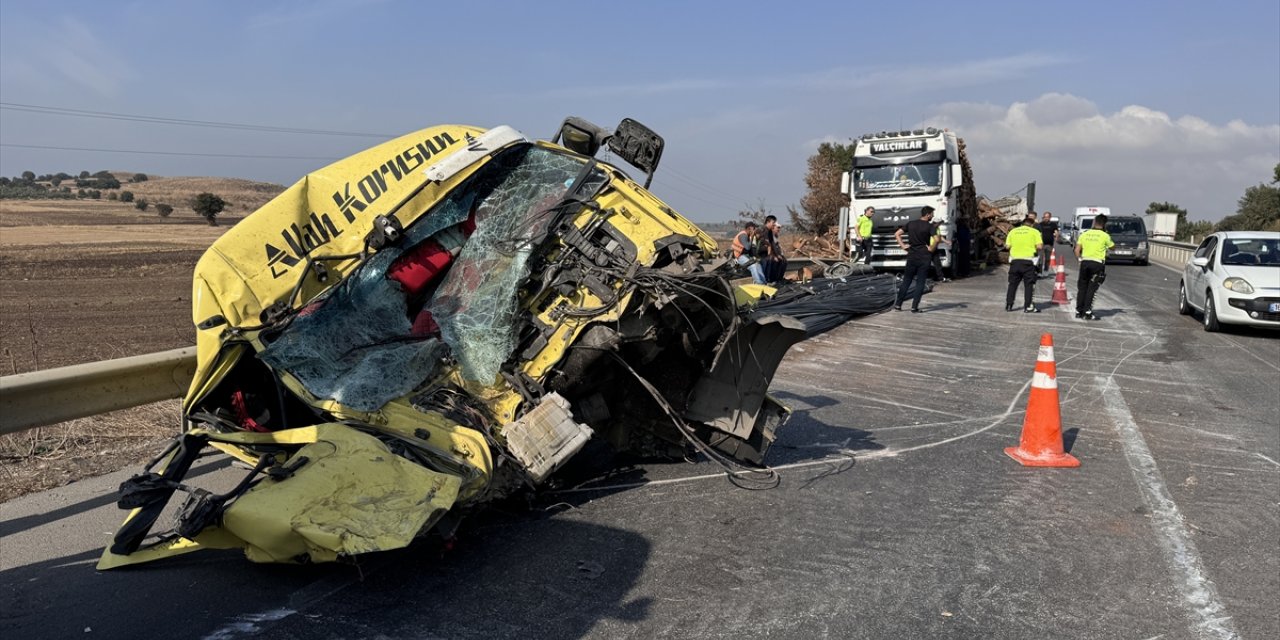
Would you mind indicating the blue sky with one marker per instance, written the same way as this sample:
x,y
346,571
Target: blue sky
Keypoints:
x,y
1101,103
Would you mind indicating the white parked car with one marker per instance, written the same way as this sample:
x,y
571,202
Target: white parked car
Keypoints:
x,y
1234,278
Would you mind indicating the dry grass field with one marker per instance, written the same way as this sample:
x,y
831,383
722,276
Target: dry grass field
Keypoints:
x,y
88,280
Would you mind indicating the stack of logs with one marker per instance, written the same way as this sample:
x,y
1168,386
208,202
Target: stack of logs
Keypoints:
x,y
993,226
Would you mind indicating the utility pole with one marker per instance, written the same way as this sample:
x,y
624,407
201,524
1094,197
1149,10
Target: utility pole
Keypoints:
x,y
1031,196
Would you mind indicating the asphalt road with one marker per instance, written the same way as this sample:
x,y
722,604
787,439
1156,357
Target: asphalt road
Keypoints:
x,y
898,514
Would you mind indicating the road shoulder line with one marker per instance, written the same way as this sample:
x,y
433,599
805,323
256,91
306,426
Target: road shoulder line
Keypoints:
x,y
1197,590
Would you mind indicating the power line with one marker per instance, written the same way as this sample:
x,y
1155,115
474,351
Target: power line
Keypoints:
x,y
106,115
699,185
168,153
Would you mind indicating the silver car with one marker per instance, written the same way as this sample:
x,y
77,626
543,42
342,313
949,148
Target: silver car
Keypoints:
x,y
1234,278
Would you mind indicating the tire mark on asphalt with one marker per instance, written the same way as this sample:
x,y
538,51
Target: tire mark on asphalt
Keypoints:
x,y
1198,591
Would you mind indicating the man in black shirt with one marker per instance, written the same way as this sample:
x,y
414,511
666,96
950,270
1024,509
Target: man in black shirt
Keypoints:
x,y
1048,235
919,246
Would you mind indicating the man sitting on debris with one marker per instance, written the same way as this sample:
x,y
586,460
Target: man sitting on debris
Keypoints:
x,y
746,251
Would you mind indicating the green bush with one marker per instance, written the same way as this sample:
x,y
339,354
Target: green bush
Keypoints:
x,y
138,177
164,210
113,196
140,204
208,206
126,196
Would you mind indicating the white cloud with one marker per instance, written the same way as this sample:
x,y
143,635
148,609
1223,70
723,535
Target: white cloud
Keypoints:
x,y
1076,153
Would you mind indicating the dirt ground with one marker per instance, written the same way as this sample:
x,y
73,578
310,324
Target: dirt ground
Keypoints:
x,y
82,281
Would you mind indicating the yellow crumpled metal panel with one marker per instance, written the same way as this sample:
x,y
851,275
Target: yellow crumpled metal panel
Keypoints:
x,y
352,496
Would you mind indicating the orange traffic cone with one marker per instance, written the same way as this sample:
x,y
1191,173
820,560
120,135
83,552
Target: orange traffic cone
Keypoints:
x,y
1041,444
1059,285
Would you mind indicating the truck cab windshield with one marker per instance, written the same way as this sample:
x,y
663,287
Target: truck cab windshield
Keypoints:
x,y
898,179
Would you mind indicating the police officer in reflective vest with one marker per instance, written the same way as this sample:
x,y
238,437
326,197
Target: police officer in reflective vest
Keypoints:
x,y
865,224
1091,249
1024,243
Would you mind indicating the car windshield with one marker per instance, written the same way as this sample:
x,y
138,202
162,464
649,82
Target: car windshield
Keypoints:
x,y
1126,226
1251,251
898,179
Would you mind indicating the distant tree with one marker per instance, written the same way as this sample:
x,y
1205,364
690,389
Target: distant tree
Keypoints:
x,y
1258,210
140,204
104,174
28,176
820,206
126,196
138,177
1276,179
62,175
95,194
81,193
84,175
1194,231
4,181
113,196
55,181
164,210
209,206
755,215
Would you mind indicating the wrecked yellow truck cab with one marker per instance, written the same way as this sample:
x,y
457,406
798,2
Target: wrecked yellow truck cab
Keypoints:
x,y
441,321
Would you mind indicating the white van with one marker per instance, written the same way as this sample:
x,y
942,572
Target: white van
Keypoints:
x,y
1084,219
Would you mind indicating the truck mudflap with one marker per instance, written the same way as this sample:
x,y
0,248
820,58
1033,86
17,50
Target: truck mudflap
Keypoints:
x,y
731,397
338,492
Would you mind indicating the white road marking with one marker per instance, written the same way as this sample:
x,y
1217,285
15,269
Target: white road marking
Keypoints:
x,y
1246,350
1267,459
1201,596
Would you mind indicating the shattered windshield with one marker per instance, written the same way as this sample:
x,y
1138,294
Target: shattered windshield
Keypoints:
x,y
367,343
898,179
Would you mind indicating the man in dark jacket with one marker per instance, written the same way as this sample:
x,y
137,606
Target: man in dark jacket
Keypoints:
x,y
919,245
1048,236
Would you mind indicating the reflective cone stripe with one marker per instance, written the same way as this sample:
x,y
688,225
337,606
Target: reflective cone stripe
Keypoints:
x,y
1059,286
1046,374
1041,442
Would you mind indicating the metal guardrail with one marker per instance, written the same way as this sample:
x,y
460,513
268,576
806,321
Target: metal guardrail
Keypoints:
x,y
51,396
1171,253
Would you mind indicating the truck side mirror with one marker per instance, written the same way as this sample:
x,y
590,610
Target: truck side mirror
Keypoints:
x,y
844,183
957,176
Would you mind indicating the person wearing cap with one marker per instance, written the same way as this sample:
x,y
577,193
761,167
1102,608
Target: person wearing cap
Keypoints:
x,y
919,245
1091,249
1023,243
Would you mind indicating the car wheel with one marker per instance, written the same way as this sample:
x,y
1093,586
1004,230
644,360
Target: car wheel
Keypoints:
x,y
1210,314
1184,307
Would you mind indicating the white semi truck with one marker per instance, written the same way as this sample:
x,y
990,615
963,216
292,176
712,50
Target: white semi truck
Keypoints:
x,y
1162,224
899,172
